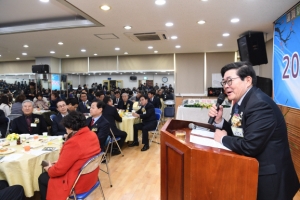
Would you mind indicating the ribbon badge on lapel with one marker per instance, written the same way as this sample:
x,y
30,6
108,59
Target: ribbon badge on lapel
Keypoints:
x,y
36,120
236,120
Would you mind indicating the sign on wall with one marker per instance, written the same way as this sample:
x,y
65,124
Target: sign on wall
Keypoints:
x,y
55,80
286,73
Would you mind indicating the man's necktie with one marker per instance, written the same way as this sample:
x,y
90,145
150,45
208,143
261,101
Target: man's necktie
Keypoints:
x,y
236,108
92,122
84,104
28,120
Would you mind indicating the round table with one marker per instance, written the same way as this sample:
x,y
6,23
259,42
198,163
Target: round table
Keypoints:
x,y
24,168
127,126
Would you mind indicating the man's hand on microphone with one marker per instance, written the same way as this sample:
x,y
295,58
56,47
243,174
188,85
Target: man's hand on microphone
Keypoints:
x,y
219,134
214,113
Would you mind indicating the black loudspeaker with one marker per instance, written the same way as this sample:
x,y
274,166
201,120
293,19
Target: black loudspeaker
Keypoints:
x,y
265,84
252,48
133,78
40,69
63,78
214,92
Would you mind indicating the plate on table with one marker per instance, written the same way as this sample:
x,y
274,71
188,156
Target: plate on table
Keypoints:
x,y
6,150
5,143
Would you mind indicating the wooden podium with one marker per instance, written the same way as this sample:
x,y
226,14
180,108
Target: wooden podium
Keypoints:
x,y
190,171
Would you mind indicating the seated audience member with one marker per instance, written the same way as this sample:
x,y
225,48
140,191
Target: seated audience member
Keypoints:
x,y
72,104
30,92
116,99
111,115
57,127
125,104
136,97
147,114
100,96
3,124
15,192
40,102
29,122
98,123
4,105
84,106
53,101
16,108
154,100
80,146
90,95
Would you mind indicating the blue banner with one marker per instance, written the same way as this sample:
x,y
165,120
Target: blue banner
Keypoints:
x,y
55,80
286,73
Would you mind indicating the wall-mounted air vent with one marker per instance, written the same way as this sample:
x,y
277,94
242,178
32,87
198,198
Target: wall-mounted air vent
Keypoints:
x,y
149,36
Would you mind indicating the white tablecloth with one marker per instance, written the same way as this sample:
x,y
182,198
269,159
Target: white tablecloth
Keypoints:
x,y
24,168
198,114
127,126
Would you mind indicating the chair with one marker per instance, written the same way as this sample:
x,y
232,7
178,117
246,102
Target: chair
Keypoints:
x,y
110,143
157,110
11,118
88,167
169,112
155,132
104,160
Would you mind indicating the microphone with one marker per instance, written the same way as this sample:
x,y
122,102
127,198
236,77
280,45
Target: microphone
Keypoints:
x,y
220,100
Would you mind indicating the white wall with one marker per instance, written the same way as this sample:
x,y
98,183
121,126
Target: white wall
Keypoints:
x,y
127,83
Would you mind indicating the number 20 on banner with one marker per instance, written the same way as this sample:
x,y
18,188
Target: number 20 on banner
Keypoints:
x,y
293,63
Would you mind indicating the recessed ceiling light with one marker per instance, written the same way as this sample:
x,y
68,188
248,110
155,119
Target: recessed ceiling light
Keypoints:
x,y
127,27
160,2
52,52
44,1
18,58
26,46
83,50
105,7
150,47
235,20
169,24
201,22
0,55
117,48
168,73
219,45
67,55
99,74
24,54
204,0
174,37
131,73
155,51
95,54
155,73
177,46
226,34
125,52
60,43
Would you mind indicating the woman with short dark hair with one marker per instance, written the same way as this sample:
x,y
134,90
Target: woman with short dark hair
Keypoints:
x,y
80,146
40,103
4,102
16,108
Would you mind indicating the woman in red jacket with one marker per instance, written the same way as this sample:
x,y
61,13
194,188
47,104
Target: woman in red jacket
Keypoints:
x,y
81,145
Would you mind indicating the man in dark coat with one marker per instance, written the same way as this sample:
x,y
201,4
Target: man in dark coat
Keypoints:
x,y
111,115
29,122
125,104
256,129
57,127
98,123
147,114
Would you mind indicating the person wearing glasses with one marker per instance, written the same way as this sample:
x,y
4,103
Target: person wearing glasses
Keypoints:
x,y
57,127
256,129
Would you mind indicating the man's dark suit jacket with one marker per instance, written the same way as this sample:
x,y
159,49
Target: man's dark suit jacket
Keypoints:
x,y
83,108
19,125
57,127
101,128
265,138
3,123
127,106
156,102
111,115
115,101
149,115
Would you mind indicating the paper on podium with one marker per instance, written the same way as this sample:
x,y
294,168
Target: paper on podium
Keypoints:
x,y
203,133
207,142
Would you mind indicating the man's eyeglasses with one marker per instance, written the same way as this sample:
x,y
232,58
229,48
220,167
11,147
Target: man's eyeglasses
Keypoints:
x,y
228,81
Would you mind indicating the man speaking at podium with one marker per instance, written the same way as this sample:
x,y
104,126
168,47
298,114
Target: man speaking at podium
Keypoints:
x,y
256,129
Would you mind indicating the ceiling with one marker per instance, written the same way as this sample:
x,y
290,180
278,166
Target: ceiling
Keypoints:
x,y
143,15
